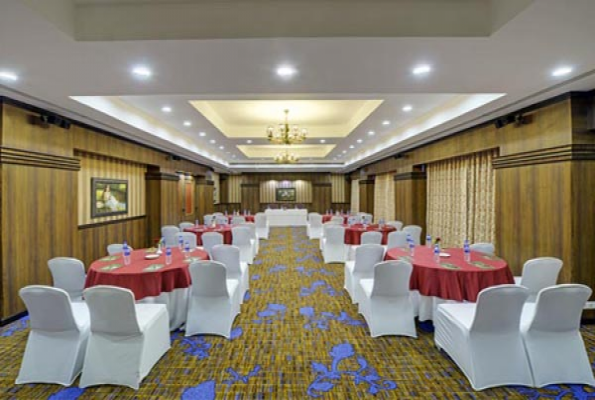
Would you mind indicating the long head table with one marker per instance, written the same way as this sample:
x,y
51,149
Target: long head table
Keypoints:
x,y
289,217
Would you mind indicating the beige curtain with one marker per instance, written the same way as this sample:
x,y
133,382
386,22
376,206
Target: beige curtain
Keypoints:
x,y
461,199
355,195
384,197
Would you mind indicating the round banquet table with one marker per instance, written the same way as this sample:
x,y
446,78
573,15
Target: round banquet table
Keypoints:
x,y
328,217
151,281
353,233
453,279
225,230
248,218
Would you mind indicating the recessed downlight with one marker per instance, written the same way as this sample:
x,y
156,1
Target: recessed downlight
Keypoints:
x,y
221,147
421,69
142,71
249,141
8,76
407,108
202,134
286,71
166,109
359,140
561,71
371,133
187,123
322,141
212,141
386,122
344,151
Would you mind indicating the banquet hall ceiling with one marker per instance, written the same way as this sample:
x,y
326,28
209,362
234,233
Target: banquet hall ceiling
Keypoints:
x,y
354,87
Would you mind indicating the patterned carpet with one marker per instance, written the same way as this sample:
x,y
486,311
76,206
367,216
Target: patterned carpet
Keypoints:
x,y
298,337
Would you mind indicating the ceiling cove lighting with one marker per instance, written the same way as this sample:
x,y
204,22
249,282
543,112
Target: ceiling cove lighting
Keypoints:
x,y
561,71
286,134
407,108
421,69
8,76
166,109
286,71
142,71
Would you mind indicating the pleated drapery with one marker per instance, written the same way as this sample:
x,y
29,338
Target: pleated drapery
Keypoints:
x,y
355,195
384,197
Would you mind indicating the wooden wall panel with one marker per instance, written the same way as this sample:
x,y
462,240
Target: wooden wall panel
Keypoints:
x,y
322,197
410,199
251,197
339,183
234,185
583,229
204,195
366,196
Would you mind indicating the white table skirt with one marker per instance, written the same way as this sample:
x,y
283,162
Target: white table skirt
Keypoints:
x,y
293,217
176,303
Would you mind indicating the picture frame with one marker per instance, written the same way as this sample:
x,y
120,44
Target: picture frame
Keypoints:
x,y
285,195
108,197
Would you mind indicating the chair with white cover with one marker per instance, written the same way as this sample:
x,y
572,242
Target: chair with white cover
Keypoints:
x,y
210,240
386,303
354,219
208,219
58,337
397,224
237,220
241,237
484,338
221,220
262,225
325,226
396,239
366,256
127,339
415,232
538,274
371,238
338,220
213,303
215,214
367,219
187,237
333,246
551,332
253,237
68,274
229,256
185,225
168,232
116,248
485,248
314,227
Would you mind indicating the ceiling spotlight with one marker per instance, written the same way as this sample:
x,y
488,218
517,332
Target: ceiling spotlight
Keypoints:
x,y
212,141
221,147
386,122
322,141
142,71
359,140
249,141
187,123
421,69
8,76
371,133
166,109
407,108
344,151
561,71
286,71
202,134
352,147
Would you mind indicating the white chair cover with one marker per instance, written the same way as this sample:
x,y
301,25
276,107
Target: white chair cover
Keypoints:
x,y
187,237
354,219
396,239
366,256
68,274
116,248
314,226
396,224
325,226
337,220
242,239
551,332
208,219
485,248
538,274
484,339
236,269
262,226
253,237
386,303
333,246
367,219
415,232
213,300
126,339
216,214
238,220
221,220
58,337
168,232
371,238
185,225
210,240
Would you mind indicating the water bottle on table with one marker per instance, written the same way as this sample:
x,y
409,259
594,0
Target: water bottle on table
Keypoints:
x,y
436,253
180,243
126,251
186,250
411,248
467,251
168,255
429,241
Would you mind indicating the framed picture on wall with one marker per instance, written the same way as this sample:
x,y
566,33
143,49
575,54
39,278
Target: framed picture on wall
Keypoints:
x,y
108,197
285,194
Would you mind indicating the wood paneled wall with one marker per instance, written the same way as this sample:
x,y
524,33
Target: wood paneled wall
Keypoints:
x,y
44,174
366,195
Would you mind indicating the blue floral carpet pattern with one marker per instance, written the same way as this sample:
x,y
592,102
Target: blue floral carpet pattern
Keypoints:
x,y
298,337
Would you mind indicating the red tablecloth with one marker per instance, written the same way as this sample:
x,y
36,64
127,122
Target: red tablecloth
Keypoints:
x,y
354,232
453,278
248,218
225,230
328,217
143,283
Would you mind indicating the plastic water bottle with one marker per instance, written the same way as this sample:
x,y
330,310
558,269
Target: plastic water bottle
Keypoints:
x,y
226,212
409,239
181,243
437,253
429,241
411,248
467,251
196,223
168,255
186,250
126,251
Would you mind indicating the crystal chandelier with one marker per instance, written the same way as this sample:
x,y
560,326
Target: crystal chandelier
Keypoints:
x,y
285,134
286,158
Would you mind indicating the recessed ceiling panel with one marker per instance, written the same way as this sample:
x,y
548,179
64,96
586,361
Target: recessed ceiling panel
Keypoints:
x,y
301,150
